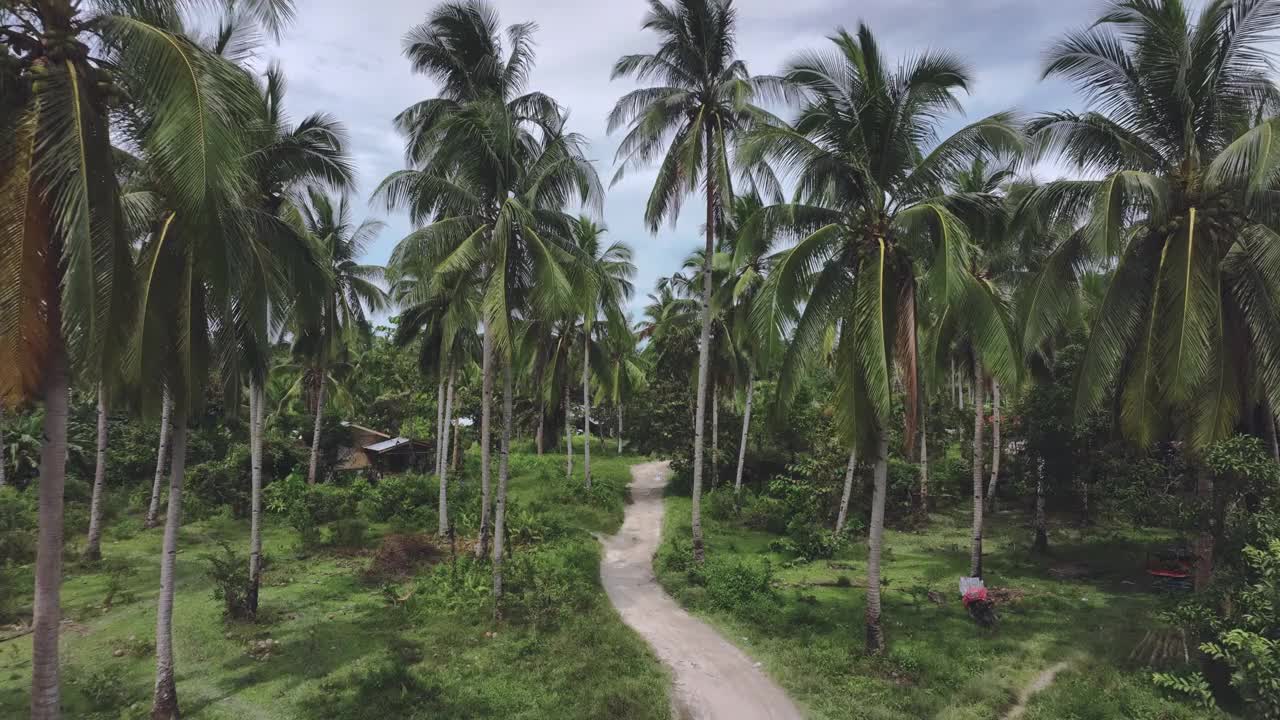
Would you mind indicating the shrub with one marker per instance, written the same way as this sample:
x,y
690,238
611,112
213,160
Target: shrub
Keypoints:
x,y
810,541
229,572
765,513
17,527
740,585
348,533
118,571
399,496
720,504
104,688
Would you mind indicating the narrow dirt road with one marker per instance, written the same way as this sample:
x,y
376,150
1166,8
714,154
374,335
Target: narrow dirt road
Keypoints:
x,y
713,679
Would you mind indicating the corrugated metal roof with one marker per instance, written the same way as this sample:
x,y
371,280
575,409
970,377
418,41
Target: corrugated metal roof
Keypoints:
x,y
386,445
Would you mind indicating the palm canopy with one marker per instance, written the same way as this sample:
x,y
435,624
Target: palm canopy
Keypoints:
x,y
68,72
702,97
870,214
1188,331
353,289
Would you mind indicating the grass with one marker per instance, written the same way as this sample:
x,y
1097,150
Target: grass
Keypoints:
x,y
809,632
344,650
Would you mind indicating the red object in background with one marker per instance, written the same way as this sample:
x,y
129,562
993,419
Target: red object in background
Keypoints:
x,y
977,594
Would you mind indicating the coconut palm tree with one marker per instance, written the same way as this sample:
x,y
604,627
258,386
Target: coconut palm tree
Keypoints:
x,y
443,319
64,248
492,172
690,119
466,149
1187,333
605,272
352,294
868,221
286,272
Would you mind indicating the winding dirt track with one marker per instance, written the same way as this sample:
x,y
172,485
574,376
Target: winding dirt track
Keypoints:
x,y
714,680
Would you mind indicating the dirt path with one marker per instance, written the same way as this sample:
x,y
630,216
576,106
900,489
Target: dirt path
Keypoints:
x,y
1041,682
713,679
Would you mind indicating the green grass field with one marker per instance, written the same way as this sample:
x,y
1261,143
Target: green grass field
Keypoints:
x,y
809,631
345,650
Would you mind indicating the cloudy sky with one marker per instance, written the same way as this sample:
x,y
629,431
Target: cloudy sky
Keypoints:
x,y
344,57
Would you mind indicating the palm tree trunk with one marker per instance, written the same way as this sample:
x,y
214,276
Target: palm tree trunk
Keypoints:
x,y
1272,439
975,552
1041,543
457,448
924,472
995,445
586,407
715,436
153,509
619,436
1204,546
93,548
875,633
542,422
848,489
500,512
315,433
256,401
440,431
164,705
3,480
443,527
486,406
746,429
568,437
704,355
45,687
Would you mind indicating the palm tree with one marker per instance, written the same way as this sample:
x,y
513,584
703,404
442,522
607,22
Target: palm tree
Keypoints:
x,y
980,326
63,247
162,454
867,222
443,318
702,103
286,272
468,148
492,172
1188,329
352,294
606,272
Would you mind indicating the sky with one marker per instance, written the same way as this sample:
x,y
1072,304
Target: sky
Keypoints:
x,y
344,57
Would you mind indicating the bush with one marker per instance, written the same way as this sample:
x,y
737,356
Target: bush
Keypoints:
x,y
229,572
740,585
720,504
105,688
119,572
810,541
765,513
348,533
399,496
17,527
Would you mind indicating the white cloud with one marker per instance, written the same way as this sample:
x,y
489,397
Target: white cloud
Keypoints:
x,y
343,57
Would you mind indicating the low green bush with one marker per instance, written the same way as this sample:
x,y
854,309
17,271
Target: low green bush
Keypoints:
x,y
17,526
350,532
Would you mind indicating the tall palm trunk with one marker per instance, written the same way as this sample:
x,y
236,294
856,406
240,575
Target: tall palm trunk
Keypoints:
x,y
746,429
3,479
444,461
995,445
568,437
45,687
486,406
162,453
500,512
457,448
715,436
843,515
1272,438
315,433
586,407
256,401
975,552
704,357
440,432
542,423
875,633
619,433
93,548
164,705
1041,543
924,472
